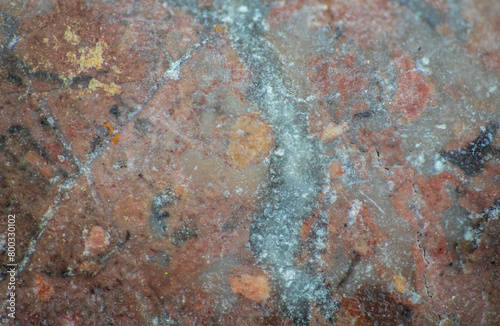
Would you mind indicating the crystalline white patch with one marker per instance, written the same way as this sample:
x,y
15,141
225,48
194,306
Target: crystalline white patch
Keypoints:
x,y
354,211
439,165
227,20
174,71
469,235
51,121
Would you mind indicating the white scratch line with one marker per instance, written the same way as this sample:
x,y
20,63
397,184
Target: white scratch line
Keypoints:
x,y
373,202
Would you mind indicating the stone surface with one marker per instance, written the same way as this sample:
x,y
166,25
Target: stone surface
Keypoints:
x,y
250,162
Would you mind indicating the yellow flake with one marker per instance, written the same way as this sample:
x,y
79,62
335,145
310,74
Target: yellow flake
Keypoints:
x,y
71,37
88,58
111,88
116,69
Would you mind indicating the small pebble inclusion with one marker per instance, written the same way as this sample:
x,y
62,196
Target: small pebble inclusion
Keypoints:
x,y
251,162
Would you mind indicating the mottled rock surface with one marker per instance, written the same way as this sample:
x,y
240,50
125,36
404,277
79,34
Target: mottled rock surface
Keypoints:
x,y
251,162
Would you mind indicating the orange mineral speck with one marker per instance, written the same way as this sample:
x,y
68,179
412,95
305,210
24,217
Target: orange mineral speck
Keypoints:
x,y
115,138
111,130
250,140
180,190
255,288
97,239
400,283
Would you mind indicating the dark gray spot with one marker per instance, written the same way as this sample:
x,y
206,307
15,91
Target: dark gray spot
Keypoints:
x,y
181,235
158,216
472,158
143,126
115,111
427,13
162,258
363,114
120,164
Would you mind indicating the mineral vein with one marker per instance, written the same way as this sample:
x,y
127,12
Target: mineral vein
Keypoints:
x,y
296,169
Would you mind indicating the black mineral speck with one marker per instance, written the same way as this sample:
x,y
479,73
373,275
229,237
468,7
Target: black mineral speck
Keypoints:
x,y
363,114
15,79
3,140
115,111
44,122
96,141
472,158
338,32
406,313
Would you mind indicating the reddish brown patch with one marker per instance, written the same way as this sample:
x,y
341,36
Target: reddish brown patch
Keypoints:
x,y
359,233
44,290
413,94
382,307
284,11
39,163
306,228
482,43
415,91
434,198
339,76
362,20
387,143
335,169
130,211
182,34
404,194
74,319
364,235
478,201
97,239
354,313
420,269
402,61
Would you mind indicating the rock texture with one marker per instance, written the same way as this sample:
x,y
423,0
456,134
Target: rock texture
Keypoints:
x,y
250,162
